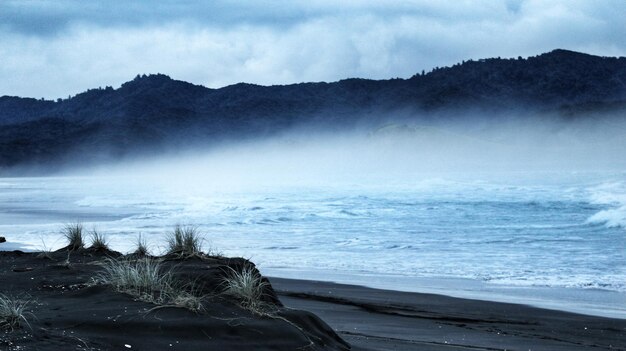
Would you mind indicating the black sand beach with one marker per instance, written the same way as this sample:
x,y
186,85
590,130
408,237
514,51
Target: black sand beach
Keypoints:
x,y
373,319
67,313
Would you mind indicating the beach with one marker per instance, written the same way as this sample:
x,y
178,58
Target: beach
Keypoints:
x,y
374,319
66,311
312,175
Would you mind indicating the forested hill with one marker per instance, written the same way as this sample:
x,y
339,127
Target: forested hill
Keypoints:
x,y
152,113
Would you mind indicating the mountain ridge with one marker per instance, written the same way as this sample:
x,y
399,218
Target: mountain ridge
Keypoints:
x,y
154,112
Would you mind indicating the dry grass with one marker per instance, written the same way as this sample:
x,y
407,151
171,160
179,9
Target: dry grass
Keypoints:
x,y
12,312
74,235
144,278
184,242
187,296
248,287
141,246
46,251
147,280
98,241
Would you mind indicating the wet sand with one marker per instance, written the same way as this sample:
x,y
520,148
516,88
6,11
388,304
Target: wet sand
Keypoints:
x,y
373,319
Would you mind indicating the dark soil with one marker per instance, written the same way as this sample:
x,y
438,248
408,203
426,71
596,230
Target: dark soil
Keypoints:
x,y
67,313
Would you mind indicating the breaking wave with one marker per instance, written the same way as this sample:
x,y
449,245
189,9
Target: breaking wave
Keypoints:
x,y
613,195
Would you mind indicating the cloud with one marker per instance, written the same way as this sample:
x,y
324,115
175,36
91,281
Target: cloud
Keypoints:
x,y
53,49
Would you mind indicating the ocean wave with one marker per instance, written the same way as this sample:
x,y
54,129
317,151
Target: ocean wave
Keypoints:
x,y
402,247
145,216
348,242
530,226
527,240
543,236
267,221
608,193
117,202
348,213
339,214
611,194
611,218
571,282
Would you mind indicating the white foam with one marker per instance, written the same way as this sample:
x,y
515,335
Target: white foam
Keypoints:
x,y
611,218
515,233
612,194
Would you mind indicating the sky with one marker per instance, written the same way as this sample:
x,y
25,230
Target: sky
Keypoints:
x,y
59,48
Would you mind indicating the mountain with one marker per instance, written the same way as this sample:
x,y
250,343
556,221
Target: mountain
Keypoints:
x,y
153,113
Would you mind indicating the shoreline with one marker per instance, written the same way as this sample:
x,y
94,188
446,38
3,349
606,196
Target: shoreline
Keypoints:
x,y
586,301
319,314
376,319
590,301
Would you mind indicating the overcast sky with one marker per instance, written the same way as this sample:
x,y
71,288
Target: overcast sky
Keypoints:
x,y
58,48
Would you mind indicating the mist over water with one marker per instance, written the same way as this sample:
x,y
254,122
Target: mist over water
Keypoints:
x,y
511,203
392,152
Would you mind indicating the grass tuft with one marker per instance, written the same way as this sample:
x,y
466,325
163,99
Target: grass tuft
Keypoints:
x,y
12,312
98,241
249,287
146,280
184,242
141,246
46,251
187,299
74,235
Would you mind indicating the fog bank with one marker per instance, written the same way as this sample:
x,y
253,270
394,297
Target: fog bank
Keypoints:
x,y
393,152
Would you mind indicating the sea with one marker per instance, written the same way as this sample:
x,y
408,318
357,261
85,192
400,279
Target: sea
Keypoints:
x,y
549,239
